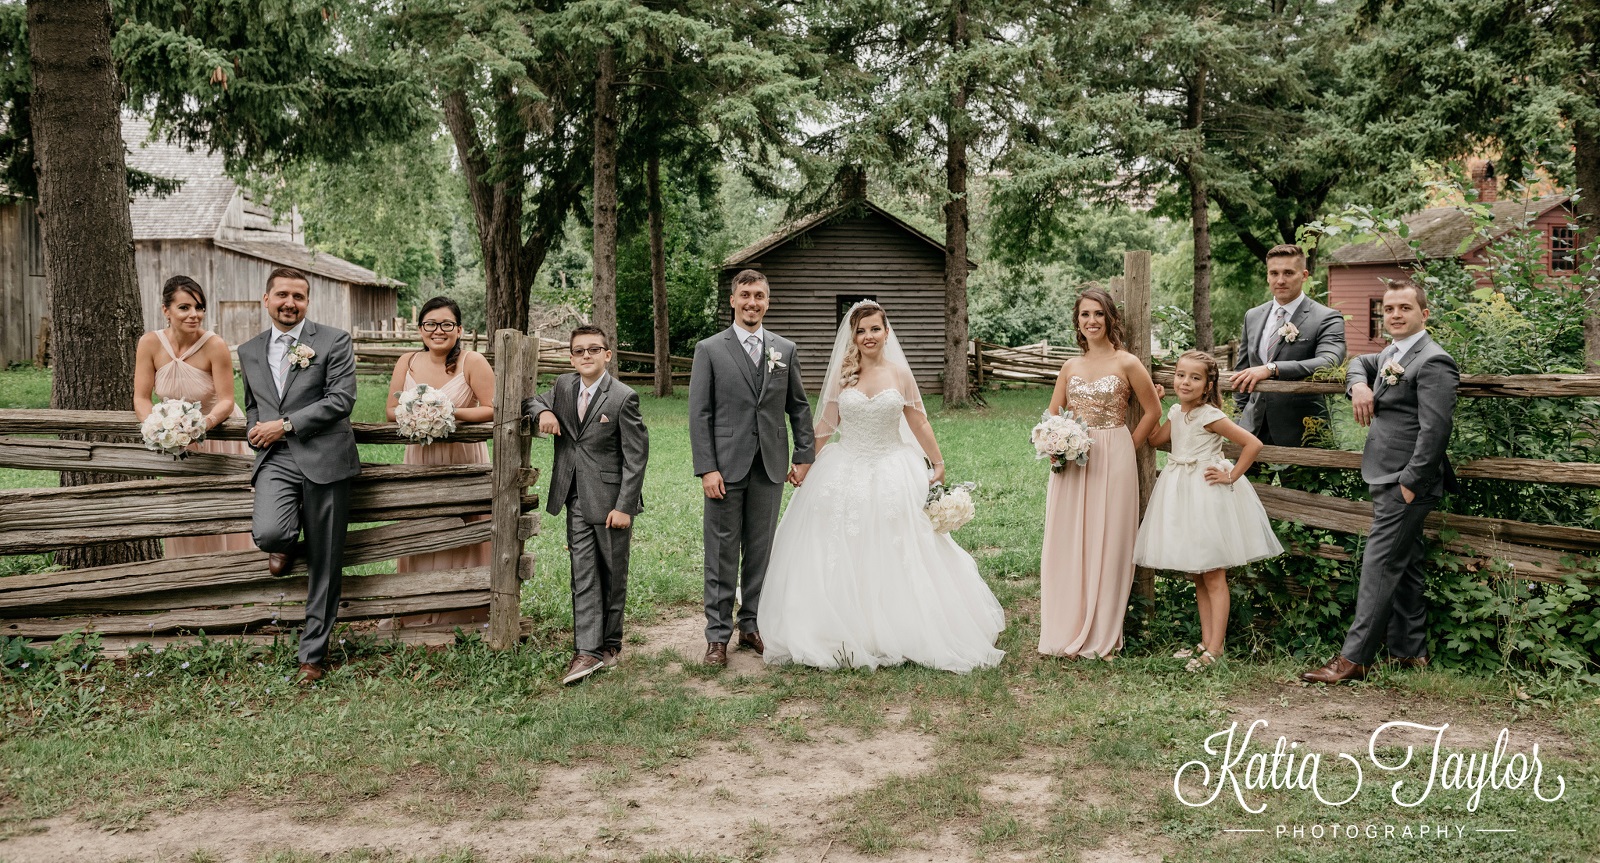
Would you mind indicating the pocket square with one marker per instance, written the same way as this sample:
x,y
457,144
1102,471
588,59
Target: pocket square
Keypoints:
x,y
604,418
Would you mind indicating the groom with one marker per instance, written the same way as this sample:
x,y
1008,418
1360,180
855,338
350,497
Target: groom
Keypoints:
x,y
745,381
299,389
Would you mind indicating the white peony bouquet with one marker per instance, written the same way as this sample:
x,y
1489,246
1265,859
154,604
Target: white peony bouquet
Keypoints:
x,y
425,414
1062,438
172,425
950,508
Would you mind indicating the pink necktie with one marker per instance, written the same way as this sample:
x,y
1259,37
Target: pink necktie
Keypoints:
x,y
583,405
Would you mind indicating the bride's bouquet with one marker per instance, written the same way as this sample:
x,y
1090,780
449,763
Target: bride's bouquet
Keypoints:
x,y
172,425
425,414
950,508
1062,438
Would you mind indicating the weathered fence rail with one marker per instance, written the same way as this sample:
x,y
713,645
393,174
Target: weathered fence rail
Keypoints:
x,y
417,509
377,356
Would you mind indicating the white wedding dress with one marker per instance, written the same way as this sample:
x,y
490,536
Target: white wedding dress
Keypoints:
x,y
858,576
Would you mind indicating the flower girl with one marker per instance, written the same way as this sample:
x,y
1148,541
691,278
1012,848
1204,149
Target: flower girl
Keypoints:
x,y
1201,519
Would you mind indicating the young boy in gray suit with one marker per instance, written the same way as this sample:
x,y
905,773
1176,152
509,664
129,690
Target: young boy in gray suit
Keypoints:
x,y
601,449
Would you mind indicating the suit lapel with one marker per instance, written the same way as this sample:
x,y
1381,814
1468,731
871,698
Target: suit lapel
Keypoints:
x,y
762,371
254,353
736,347
596,404
306,334
1252,334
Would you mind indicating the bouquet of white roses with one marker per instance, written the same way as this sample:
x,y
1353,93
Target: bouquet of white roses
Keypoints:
x,y
950,508
172,425
1062,438
425,414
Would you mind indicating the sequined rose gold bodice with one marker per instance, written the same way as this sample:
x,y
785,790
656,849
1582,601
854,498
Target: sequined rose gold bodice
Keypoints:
x,y
1101,403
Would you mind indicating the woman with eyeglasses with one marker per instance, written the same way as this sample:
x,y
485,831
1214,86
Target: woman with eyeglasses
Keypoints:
x,y
467,379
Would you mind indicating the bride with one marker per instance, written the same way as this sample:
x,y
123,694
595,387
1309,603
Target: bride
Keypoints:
x,y
858,575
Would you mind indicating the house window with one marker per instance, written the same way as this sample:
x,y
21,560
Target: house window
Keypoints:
x,y
1563,249
843,302
1375,318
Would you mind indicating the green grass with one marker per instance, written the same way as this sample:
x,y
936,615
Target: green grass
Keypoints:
x,y
115,741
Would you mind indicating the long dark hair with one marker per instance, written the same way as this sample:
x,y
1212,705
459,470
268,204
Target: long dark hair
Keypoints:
x,y
169,291
1113,318
444,303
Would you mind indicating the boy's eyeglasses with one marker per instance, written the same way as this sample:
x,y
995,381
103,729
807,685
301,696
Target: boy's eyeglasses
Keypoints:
x,y
593,351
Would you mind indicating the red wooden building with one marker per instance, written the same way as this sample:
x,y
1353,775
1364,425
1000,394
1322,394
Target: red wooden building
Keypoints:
x,y
1359,274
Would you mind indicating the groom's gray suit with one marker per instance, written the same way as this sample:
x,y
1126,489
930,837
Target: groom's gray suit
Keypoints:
x,y
737,413
1279,418
303,480
598,467
1411,424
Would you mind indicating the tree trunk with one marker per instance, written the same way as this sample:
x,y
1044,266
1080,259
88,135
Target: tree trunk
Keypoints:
x,y
658,275
1200,215
957,388
497,212
1586,158
604,314
86,233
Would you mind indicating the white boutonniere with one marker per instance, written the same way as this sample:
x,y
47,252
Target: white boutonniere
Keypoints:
x,y
1289,332
300,355
774,360
1392,372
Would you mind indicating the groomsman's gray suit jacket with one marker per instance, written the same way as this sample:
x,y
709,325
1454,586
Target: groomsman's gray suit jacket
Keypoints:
x,y
737,408
1411,420
317,400
1279,418
603,457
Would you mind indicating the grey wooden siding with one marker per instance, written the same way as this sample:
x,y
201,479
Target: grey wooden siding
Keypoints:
x,y
865,256
22,290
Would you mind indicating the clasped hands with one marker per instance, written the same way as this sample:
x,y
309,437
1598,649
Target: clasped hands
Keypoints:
x,y
266,433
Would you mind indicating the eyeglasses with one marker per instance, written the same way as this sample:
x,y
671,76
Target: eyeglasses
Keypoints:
x,y
439,326
593,351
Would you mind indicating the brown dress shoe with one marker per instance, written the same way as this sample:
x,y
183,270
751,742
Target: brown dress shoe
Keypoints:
x,y
717,654
278,565
1338,670
752,640
1409,661
610,656
310,672
581,666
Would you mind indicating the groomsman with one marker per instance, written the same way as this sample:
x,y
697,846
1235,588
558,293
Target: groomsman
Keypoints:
x,y
598,475
1287,339
299,388
1407,395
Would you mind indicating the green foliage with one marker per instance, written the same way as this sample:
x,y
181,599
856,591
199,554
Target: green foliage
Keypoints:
x,y
696,242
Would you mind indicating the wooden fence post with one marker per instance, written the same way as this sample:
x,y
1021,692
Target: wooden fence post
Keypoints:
x,y
517,357
1132,293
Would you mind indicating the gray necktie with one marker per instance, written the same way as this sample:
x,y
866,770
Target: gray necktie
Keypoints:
x,y
282,372
1275,335
753,343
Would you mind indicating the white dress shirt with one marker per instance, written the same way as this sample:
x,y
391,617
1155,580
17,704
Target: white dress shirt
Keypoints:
x,y
590,391
1271,324
276,349
1404,346
759,332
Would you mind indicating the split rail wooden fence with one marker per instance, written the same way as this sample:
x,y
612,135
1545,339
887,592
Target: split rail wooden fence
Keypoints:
x,y
377,351
414,509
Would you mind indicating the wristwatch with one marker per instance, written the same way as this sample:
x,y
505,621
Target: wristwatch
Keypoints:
x,y
288,427
1273,368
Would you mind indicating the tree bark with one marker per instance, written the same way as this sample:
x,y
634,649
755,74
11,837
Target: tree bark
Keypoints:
x,y
1200,215
658,275
604,314
957,388
86,233
497,210
1586,159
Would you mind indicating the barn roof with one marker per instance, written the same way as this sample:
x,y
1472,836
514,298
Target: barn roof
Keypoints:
x,y
1440,231
794,230
196,210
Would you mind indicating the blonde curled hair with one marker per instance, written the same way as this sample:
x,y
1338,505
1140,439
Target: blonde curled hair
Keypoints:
x,y
850,366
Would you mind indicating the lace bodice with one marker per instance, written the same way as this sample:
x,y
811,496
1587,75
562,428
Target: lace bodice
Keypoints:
x,y
1192,445
870,423
1101,403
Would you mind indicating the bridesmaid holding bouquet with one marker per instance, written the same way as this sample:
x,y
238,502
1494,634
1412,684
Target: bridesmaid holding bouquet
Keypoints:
x,y
1092,510
467,379
189,362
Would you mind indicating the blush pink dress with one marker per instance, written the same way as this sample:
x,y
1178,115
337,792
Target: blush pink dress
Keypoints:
x,y
460,395
1091,522
180,380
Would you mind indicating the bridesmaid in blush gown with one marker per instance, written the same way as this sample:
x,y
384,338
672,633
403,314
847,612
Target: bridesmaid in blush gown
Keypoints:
x,y
1092,512
466,378
189,362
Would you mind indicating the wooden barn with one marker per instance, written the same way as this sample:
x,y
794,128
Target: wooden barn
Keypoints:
x,y
821,265
210,230
1359,274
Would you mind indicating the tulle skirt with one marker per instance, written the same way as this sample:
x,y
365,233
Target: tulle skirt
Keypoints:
x,y
859,578
1194,526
